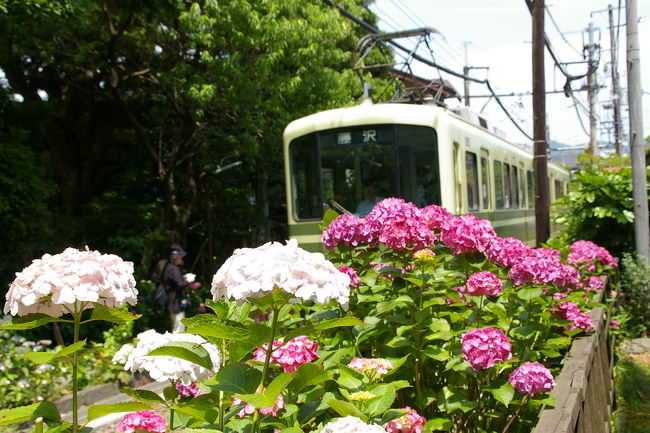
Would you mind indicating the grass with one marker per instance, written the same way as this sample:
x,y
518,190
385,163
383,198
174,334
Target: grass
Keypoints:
x,y
632,376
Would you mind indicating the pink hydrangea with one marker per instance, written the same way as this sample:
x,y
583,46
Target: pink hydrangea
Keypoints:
x,y
461,293
582,321
566,275
57,284
531,378
385,211
435,216
533,269
483,283
467,233
594,283
290,356
587,253
410,422
190,390
146,420
354,277
249,409
506,251
614,324
484,347
346,229
571,311
406,231
379,366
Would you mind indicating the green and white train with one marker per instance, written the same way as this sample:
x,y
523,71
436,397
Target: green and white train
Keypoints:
x,y
425,154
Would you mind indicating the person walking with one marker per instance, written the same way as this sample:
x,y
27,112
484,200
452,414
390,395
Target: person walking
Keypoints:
x,y
175,284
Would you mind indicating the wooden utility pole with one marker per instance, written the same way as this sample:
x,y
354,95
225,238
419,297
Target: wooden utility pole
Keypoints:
x,y
616,93
542,203
637,141
593,89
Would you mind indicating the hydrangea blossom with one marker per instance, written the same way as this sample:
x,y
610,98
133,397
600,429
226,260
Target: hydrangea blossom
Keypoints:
x,y
354,277
571,311
255,272
290,356
411,422
351,424
484,347
378,366
505,252
190,390
435,216
146,420
534,268
122,354
531,378
53,284
405,231
249,409
587,253
467,234
163,368
424,257
385,211
594,283
346,229
483,283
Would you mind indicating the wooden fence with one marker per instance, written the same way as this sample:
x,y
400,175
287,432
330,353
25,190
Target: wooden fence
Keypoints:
x,y
584,389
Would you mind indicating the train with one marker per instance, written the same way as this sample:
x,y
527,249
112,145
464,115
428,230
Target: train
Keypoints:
x,y
423,153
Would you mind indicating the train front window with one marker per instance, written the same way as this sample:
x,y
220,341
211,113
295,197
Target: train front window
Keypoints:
x,y
353,168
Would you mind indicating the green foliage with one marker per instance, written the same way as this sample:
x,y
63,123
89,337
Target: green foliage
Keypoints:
x,y
599,205
632,380
635,294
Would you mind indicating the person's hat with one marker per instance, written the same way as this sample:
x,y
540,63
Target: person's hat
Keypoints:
x,y
176,251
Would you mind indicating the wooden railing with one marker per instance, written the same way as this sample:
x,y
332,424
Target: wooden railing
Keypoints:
x,y
584,389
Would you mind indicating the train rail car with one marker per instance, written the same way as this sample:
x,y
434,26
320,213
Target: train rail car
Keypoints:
x,y
426,154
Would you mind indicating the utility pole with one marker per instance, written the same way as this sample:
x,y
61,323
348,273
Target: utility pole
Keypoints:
x,y
637,141
593,89
616,98
542,203
466,74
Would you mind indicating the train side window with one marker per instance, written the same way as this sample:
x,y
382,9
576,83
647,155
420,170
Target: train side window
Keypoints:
x,y
522,187
457,183
558,189
514,186
485,180
530,189
507,191
306,185
498,185
471,176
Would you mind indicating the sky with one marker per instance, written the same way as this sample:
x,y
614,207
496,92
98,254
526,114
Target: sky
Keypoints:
x,y
496,34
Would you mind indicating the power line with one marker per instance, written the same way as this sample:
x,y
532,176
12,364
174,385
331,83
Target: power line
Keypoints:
x,y
548,12
419,58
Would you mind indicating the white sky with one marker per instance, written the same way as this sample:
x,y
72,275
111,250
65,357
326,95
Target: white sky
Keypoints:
x,y
497,34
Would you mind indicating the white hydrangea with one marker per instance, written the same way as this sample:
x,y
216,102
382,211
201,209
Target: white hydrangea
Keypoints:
x,y
54,283
122,355
351,424
255,272
163,368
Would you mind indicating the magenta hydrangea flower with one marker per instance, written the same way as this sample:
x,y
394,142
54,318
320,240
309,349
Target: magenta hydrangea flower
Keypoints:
x,y
594,283
587,253
190,390
146,420
483,283
435,216
461,293
346,229
290,356
379,366
570,311
406,231
484,347
531,378
534,268
354,277
467,233
249,409
506,251
385,211
614,324
410,422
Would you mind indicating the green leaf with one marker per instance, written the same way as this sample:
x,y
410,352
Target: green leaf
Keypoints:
x,y
99,410
504,393
60,428
113,315
275,297
292,430
170,393
437,324
323,326
437,353
557,343
378,405
46,357
529,293
46,410
142,395
308,374
451,399
200,430
30,321
219,307
209,415
330,215
524,332
238,379
345,408
270,395
209,325
191,352
435,424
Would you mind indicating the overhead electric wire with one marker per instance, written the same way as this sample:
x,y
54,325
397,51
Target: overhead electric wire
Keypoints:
x,y
419,58
548,12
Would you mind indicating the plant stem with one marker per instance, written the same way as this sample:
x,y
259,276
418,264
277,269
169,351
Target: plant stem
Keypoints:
x,y
265,370
76,315
221,407
514,416
171,419
38,427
